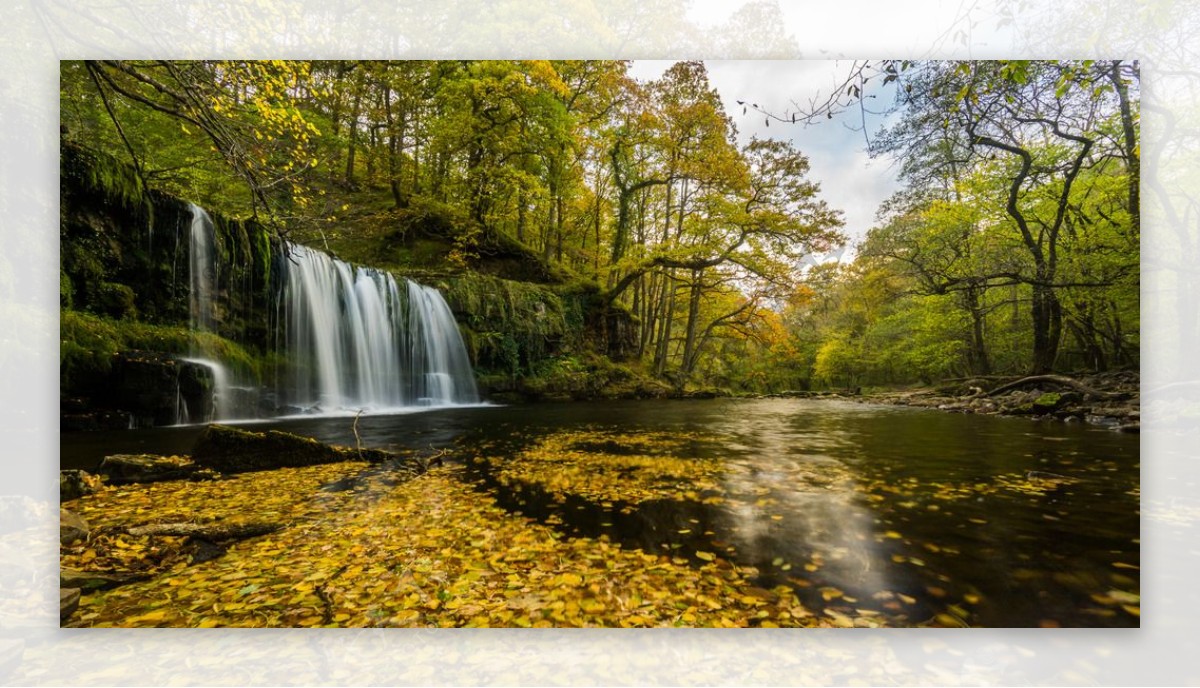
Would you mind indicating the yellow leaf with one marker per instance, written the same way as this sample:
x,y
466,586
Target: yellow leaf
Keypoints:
x,y
706,556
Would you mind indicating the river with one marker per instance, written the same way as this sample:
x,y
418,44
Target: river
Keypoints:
x,y
916,516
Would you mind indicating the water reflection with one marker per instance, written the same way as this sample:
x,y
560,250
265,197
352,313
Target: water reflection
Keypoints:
x,y
921,516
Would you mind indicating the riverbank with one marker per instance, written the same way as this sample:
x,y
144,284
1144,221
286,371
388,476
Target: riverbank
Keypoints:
x,y
1110,400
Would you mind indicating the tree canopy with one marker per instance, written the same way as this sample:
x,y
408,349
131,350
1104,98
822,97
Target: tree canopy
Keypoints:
x,y
1012,246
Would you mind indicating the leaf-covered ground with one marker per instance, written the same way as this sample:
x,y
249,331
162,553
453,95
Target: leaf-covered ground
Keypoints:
x,y
431,551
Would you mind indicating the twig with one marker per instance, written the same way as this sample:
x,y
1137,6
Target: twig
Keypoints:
x,y
357,439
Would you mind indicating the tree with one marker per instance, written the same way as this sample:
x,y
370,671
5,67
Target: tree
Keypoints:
x,y
1042,123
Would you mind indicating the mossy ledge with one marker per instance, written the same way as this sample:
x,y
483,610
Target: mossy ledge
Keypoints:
x,y
532,330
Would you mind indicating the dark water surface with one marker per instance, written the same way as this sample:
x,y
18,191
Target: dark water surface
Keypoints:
x,y
915,515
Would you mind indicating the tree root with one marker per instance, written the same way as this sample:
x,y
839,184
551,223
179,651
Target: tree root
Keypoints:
x,y
1060,380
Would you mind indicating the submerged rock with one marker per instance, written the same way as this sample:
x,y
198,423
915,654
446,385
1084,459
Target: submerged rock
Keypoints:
x,y
230,450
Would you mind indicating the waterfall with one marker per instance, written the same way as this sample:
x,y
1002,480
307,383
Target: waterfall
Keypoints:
x,y
203,272
353,337
356,340
441,370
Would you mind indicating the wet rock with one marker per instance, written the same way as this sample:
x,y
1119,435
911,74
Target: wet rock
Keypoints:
x,y
195,385
74,405
73,484
147,384
71,527
89,581
1134,428
96,420
1047,402
230,450
144,468
68,602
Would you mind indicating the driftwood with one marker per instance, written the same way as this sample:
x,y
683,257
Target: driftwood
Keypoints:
x,y
1052,379
213,532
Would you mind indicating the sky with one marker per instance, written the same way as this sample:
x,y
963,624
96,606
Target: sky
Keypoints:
x,y
850,180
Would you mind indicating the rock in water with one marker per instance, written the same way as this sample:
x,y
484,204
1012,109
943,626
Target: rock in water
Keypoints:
x,y
73,484
230,450
144,468
71,527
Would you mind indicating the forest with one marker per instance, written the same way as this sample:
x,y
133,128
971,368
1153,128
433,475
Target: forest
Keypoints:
x,y
1010,248
530,343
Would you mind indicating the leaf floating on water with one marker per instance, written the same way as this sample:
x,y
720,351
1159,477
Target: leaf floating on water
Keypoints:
x,y
1136,611
460,560
830,593
1124,597
950,621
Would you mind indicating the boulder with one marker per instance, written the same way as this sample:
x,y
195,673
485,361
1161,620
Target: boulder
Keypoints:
x,y
147,384
73,484
68,602
71,527
145,468
230,450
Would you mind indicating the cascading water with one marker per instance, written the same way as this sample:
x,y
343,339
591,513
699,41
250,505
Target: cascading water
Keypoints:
x,y
201,299
441,369
353,338
356,341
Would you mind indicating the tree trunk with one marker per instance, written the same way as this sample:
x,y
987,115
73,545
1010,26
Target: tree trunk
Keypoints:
x,y
977,354
1046,312
689,342
353,143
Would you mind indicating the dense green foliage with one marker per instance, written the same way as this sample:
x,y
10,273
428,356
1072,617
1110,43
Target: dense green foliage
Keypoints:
x,y
556,198
1012,246
88,344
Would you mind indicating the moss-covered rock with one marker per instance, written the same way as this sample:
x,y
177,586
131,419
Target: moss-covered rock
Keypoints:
x,y
113,362
1047,402
230,450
